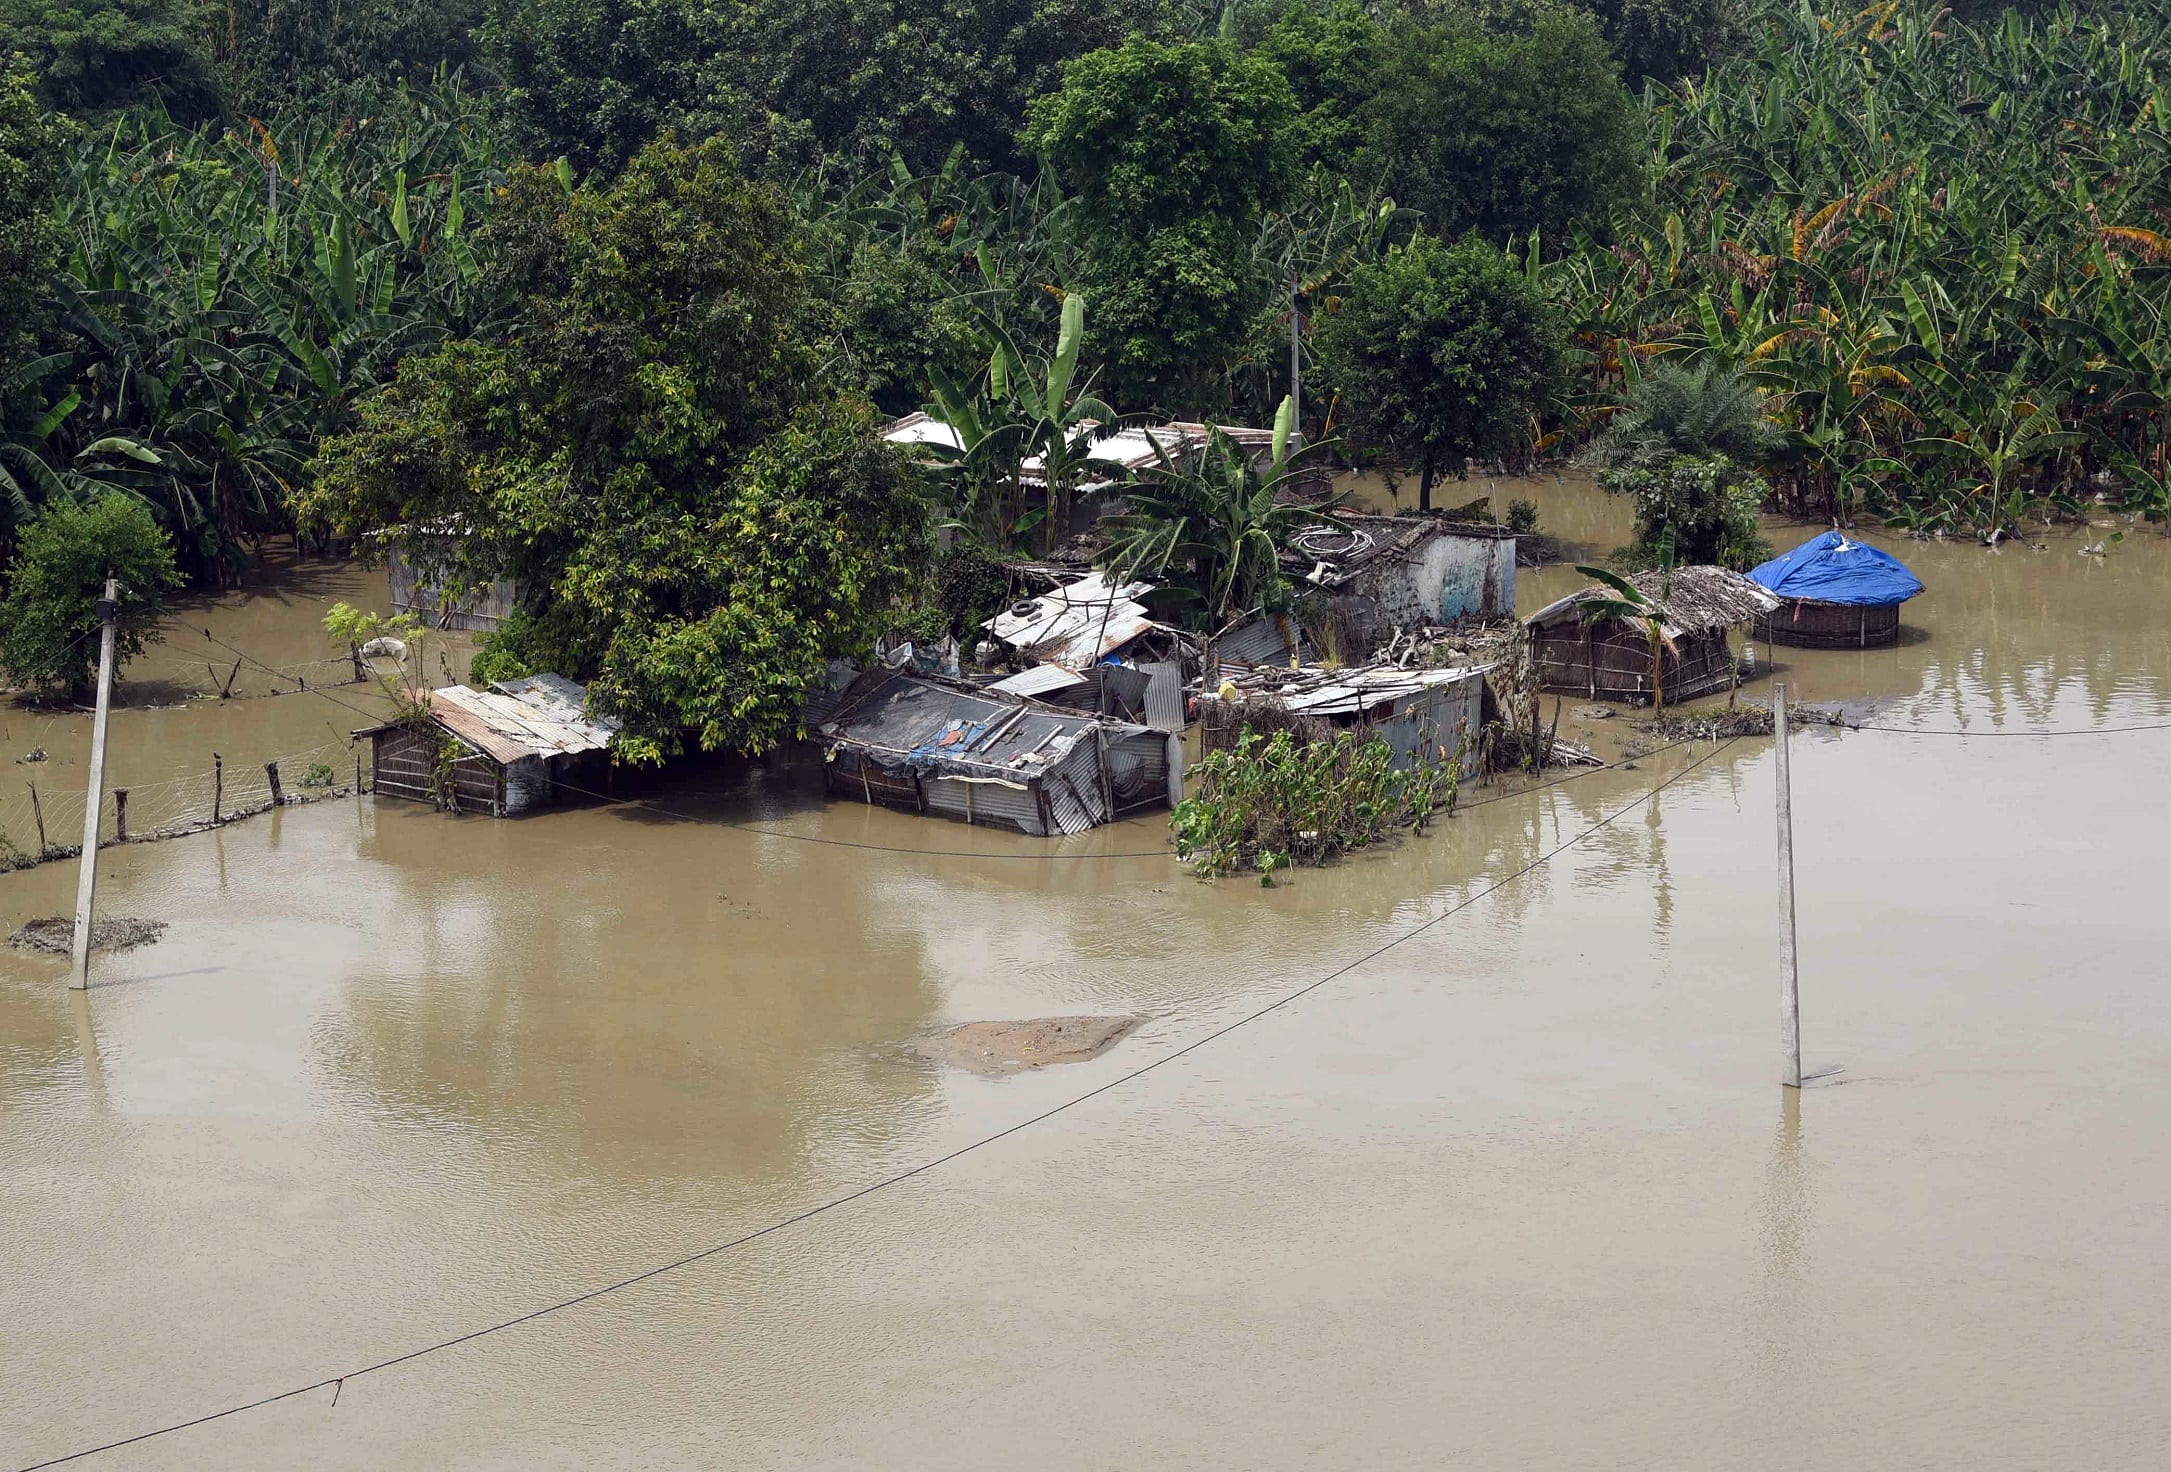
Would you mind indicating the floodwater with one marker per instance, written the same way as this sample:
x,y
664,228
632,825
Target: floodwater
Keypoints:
x,y
1518,1191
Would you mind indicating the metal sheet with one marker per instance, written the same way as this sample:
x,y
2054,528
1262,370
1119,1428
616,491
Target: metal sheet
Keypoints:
x,y
1164,695
1041,679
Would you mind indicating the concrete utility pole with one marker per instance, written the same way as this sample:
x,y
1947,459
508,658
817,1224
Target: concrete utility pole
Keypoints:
x,y
1790,999
1296,361
86,884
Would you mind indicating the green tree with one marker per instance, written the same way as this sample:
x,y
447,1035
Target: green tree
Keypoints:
x,y
1331,56
96,55
1175,153
31,147
50,614
1705,410
1502,131
1440,354
277,52
1699,508
645,451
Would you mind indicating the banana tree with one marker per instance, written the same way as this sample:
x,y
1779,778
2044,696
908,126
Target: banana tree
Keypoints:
x,y
1630,604
1212,526
1032,423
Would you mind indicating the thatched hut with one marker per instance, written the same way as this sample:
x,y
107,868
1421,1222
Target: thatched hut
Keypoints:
x,y
1835,593
1610,659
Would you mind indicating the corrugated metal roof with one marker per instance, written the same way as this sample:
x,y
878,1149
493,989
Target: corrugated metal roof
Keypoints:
x,y
541,715
1352,692
922,429
1041,679
1075,625
1261,642
1164,695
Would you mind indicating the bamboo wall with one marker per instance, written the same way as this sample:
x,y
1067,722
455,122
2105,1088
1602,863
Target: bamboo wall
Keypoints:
x,y
1613,662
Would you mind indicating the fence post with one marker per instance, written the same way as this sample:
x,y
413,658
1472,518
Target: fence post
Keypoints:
x,y
1790,999
120,815
271,775
358,777
218,785
38,813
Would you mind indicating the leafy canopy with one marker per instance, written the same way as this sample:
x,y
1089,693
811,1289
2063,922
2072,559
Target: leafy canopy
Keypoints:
x,y
1502,130
49,620
1440,354
1174,153
694,526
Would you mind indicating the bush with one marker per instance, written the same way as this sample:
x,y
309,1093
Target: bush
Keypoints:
x,y
1267,803
1706,505
49,620
1522,517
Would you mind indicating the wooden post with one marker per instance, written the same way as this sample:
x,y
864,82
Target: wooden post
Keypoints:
x,y
354,652
120,815
1790,1002
218,785
271,775
358,777
38,813
86,884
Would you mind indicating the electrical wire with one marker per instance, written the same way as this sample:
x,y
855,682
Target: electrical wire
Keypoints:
x,y
334,1382
2067,731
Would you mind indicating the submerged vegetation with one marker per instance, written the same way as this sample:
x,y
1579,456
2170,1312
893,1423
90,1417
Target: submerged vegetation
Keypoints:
x,y
1270,802
622,292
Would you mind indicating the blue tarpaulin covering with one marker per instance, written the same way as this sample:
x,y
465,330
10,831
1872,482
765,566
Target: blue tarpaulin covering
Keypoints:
x,y
1835,569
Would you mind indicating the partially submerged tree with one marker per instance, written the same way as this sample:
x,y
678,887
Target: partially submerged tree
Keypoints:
x,y
694,524
1440,355
50,615
1628,603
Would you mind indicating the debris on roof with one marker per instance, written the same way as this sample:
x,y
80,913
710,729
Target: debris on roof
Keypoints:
x,y
1077,625
537,715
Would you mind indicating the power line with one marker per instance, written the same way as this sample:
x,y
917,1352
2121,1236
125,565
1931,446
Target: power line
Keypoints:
x,y
333,1382
2003,731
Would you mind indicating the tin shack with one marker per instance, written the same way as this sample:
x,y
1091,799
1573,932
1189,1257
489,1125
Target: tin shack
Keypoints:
x,y
520,745
992,757
1422,714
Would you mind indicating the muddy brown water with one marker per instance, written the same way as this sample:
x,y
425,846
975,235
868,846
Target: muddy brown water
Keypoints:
x,y
1519,1192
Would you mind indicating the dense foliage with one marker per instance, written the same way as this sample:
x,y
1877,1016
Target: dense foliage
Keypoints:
x,y
1269,802
692,530
49,619
1440,355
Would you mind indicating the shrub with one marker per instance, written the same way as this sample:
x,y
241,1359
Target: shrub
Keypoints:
x,y
1706,505
1267,803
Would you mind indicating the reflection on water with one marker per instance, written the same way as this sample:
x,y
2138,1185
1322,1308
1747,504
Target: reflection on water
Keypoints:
x,y
392,1074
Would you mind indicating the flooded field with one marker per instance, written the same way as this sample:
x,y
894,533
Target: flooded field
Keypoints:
x,y
1518,1191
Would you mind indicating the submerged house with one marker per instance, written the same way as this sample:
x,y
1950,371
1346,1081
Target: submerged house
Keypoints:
x,y
1408,572
1611,659
1836,594
993,757
1422,714
520,745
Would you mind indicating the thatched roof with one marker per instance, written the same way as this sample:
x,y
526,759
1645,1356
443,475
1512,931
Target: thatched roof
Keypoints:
x,y
1697,600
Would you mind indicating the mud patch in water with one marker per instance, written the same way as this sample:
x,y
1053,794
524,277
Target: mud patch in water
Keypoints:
x,y
993,1049
56,935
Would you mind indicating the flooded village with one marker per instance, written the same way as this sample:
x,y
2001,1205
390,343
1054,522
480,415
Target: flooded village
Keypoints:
x,y
1287,736
391,1070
